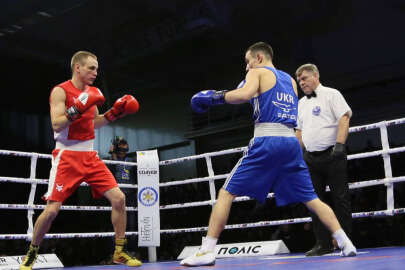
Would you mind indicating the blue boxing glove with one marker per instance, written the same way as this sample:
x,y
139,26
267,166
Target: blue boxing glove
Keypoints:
x,y
201,101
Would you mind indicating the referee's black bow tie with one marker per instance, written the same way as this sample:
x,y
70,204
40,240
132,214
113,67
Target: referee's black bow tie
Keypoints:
x,y
313,94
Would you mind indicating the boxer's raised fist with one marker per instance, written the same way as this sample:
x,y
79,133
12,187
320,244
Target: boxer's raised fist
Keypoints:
x,y
201,101
88,98
123,106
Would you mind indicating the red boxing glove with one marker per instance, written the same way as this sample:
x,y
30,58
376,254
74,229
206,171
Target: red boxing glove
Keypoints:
x,y
88,98
123,106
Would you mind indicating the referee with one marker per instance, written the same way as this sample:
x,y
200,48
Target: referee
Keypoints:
x,y
322,129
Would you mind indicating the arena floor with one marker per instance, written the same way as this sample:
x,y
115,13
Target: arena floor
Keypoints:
x,y
390,258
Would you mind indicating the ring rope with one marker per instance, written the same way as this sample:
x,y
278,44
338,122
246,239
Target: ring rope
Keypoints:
x,y
172,161
356,185
202,179
380,213
223,152
376,153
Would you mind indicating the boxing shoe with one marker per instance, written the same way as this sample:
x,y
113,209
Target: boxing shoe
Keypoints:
x,y
30,258
344,243
122,256
348,250
201,258
319,250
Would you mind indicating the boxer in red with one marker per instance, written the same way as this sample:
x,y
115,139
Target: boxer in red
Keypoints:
x,y
74,116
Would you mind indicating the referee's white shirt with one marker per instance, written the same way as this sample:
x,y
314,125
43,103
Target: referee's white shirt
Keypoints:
x,y
318,118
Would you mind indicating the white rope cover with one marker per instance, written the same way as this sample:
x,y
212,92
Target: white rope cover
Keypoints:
x,y
356,185
381,213
223,152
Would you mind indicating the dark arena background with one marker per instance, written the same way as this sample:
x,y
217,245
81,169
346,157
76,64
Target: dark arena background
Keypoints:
x,y
163,52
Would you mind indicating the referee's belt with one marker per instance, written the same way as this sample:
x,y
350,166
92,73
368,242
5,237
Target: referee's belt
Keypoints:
x,y
318,153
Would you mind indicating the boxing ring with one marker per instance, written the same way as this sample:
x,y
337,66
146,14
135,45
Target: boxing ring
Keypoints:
x,y
379,258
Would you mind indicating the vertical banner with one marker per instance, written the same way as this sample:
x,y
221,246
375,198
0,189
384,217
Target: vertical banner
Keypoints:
x,y
148,199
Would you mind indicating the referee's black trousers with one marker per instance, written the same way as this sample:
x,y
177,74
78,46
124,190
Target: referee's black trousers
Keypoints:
x,y
332,171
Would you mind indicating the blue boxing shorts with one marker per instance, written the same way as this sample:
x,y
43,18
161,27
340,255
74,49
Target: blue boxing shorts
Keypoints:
x,y
272,163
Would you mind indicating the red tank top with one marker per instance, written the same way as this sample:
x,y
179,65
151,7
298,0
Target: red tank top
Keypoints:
x,y
81,129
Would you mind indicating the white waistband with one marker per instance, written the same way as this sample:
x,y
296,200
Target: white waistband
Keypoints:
x,y
75,145
273,129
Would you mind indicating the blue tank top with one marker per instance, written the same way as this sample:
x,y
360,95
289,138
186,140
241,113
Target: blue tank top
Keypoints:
x,y
279,104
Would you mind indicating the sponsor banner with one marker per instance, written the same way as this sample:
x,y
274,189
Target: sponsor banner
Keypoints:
x,y
43,261
241,249
148,199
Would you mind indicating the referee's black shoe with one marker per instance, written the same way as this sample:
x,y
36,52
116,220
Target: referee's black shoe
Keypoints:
x,y
319,250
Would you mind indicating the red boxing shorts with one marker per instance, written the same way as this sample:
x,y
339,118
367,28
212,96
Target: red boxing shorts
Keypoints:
x,y
71,168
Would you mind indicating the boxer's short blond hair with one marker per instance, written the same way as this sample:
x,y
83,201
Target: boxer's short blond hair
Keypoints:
x,y
80,57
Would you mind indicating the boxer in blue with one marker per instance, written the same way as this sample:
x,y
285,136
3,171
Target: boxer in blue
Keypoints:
x,y
273,160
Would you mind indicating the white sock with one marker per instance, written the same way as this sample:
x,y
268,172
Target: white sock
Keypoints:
x,y
341,237
208,243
